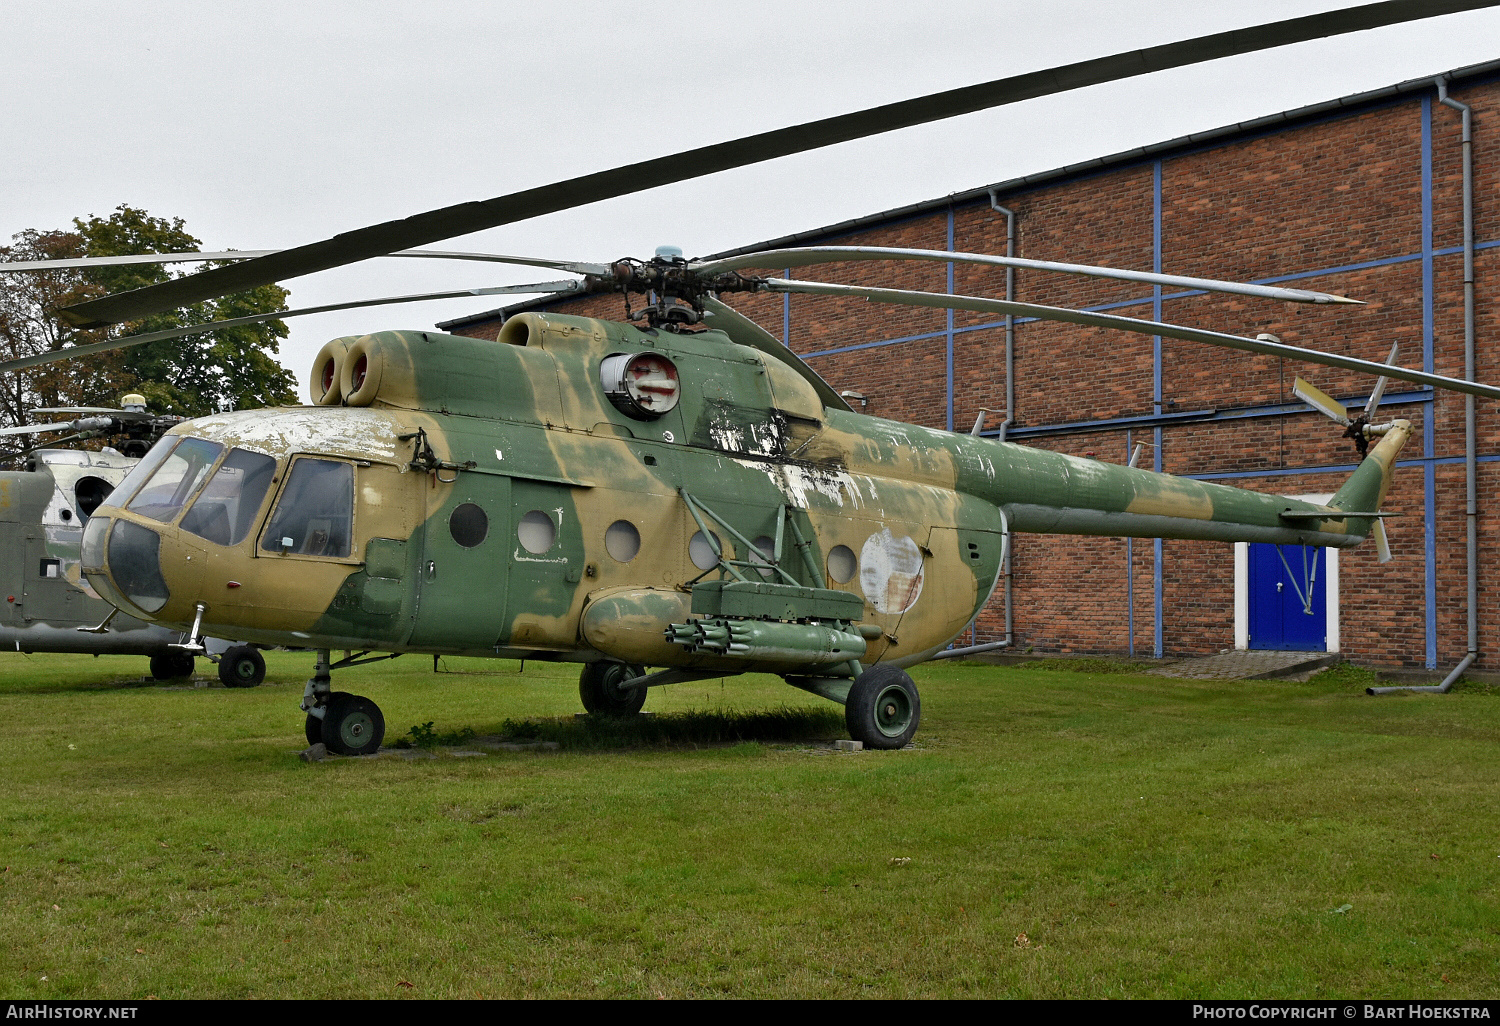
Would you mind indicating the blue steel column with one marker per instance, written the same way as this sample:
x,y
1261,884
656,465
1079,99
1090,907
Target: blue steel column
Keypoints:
x,y
1156,390
949,330
1429,469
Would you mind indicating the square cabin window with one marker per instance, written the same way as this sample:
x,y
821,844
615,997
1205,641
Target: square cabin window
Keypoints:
x,y
315,515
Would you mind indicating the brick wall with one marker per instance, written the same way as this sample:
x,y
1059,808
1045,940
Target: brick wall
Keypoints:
x,y
1312,197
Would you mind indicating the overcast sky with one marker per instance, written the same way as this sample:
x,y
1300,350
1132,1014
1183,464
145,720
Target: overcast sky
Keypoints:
x,y
270,124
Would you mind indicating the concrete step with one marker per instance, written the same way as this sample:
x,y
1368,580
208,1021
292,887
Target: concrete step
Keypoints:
x,y
1246,665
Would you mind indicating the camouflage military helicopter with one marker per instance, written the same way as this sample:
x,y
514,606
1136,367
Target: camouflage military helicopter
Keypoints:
x,y
44,507
675,491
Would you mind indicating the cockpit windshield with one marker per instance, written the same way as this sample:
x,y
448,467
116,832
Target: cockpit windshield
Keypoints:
x,y
176,479
144,469
225,512
315,514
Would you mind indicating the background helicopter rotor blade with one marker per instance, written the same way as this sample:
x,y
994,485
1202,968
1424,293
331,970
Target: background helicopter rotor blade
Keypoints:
x,y
903,297
119,414
802,257
571,266
49,443
89,424
124,342
1321,401
465,218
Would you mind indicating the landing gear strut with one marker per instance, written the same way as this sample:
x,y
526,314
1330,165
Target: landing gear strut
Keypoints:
x,y
345,724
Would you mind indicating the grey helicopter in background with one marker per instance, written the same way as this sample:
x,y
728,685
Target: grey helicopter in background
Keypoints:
x,y
46,498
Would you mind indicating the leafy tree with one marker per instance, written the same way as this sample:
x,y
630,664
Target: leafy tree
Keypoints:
x,y
231,368
227,369
27,327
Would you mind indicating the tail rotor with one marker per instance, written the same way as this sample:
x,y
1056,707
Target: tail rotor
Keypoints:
x,y
1360,428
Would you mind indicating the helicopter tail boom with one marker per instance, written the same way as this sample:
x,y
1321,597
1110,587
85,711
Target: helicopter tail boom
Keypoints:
x,y
1054,493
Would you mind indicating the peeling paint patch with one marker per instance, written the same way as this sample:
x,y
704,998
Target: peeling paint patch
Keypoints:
x,y
797,482
890,572
339,431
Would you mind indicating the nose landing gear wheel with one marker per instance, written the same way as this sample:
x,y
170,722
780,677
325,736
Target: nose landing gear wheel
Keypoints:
x,y
598,687
352,725
883,709
241,667
172,664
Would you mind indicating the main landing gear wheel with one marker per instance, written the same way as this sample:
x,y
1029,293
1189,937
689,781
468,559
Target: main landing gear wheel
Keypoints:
x,y
173,664
242,667
883,708
352,725
598,687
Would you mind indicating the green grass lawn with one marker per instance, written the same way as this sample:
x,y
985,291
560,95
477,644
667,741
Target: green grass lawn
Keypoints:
x,y
1051,834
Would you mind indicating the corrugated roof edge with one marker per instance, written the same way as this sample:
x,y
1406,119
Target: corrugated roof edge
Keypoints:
x,y
1183,142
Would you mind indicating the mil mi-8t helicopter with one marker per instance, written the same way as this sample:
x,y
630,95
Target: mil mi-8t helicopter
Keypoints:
x,y
678,490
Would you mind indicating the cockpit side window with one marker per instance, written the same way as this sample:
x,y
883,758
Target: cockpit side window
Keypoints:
x,y
315,514
176,479
225,512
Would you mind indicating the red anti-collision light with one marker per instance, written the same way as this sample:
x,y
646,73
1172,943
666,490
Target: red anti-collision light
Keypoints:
x,y
641,385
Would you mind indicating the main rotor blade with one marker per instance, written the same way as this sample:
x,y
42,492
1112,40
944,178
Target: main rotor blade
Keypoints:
x,y
1101,320
465,218
56,355
802,257
571,266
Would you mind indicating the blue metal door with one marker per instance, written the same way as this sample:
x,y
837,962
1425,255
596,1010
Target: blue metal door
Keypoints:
x,y
1279,608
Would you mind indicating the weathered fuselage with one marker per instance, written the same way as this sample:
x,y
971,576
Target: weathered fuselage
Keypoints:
x,y
498,503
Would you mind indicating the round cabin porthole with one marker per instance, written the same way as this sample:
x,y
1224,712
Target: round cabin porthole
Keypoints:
x,y
469,525
842,563
701,551
622,541
536,532
640,385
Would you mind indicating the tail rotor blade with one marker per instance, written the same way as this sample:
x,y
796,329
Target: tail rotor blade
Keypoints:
x,y
1379,393
1321,401
1382,543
